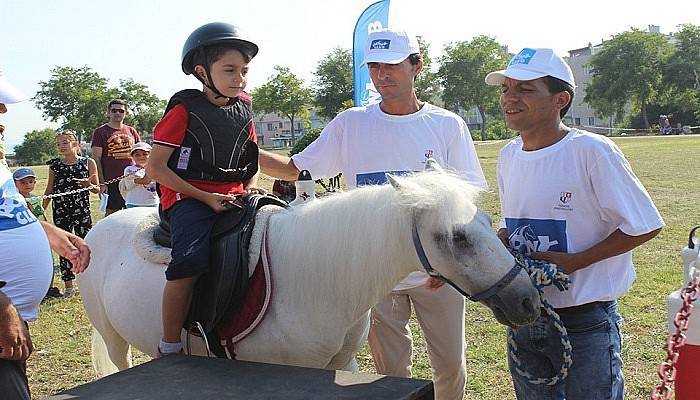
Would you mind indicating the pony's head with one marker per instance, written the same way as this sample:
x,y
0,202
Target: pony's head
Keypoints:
x,y
459,243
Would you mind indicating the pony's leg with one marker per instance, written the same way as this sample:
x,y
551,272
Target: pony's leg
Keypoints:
x,y
345,358
110,352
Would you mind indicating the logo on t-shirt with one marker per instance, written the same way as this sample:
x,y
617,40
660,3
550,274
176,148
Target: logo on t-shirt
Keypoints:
x,y
564,202
376,178
119,146
530,235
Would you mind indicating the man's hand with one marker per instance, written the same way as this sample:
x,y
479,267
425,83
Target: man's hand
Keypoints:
x,y
69,246
433,283
15,342
567,262
217,201
503,235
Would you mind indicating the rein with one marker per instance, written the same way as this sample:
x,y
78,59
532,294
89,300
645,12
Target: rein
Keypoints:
x,y
542,274
483,295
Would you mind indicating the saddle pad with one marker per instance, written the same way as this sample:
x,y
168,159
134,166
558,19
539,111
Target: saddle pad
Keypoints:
x,y
251,311
143,242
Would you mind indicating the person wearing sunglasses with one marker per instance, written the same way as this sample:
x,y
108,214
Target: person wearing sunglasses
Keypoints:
x,y
111,147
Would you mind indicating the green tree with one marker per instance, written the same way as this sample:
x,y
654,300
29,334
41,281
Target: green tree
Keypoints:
x,y
333,84
145,108
427,85
38,147
77,99
304,141
628,68
462,70
284,93
682,74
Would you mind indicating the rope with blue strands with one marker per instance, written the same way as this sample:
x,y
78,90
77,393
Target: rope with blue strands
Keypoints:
x,y
544,274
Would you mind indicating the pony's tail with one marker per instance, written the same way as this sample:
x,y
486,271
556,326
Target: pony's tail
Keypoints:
x,y
101,360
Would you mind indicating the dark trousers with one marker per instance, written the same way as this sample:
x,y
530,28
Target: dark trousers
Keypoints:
x,y
13,380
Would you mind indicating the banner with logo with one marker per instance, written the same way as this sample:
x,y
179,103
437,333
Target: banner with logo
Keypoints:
x,y
374,18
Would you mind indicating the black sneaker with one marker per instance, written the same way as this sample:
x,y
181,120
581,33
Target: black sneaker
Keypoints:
x,y
54,293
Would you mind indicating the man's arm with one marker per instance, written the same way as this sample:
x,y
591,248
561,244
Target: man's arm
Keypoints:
x,y
15,342
69,246
277,166
97,156
617,243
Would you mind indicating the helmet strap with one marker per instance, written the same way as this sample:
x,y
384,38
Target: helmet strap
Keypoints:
x,y
207,69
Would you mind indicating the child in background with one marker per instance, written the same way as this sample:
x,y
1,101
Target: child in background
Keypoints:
x,y
138,189
25,179
71,212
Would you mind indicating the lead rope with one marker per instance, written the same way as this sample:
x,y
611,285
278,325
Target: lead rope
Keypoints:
x,y
75,191
544,274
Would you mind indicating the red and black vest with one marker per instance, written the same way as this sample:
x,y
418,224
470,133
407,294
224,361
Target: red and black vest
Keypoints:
x,y
217,145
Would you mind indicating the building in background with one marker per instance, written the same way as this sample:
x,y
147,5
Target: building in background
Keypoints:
x,y
274,131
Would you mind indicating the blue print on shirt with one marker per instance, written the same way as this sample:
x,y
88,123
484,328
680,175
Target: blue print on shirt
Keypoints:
x,y
376,178
530,235
13,210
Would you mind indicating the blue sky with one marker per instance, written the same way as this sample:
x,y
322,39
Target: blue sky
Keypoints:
x,y
143,39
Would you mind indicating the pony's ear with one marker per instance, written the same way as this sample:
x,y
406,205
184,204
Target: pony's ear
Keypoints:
x,y
432,165
394,182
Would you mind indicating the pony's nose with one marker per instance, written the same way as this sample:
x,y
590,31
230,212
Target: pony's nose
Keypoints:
x,y
529,308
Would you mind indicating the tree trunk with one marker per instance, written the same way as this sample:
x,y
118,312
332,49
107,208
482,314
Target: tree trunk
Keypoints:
x,y
644,115
483,122
294,136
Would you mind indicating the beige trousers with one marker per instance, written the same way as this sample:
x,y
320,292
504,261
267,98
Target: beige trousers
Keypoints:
x,y
440,313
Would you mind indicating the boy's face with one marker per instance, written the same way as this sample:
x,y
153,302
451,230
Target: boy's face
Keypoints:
x,y
229,73
140,157
26,185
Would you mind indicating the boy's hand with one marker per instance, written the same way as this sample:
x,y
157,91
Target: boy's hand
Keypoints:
x,y
434,283
216,201
252,190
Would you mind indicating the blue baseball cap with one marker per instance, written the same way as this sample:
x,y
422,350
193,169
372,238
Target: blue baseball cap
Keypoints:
x,y
22,173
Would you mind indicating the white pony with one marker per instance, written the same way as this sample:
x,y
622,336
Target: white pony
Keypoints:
x,y
332,260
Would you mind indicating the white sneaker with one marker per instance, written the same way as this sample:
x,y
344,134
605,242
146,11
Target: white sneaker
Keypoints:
x,y
69,292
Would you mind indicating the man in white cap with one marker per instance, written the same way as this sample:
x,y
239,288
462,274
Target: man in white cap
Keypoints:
x,y
398,135
26,269
568,197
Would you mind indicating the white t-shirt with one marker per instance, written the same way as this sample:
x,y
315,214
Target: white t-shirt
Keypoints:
x,y
26,263
364,143
568,197
138,194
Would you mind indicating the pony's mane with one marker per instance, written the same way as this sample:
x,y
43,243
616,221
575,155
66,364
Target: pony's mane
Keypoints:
x,y
370,227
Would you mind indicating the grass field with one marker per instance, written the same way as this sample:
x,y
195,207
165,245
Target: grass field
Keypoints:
x,y
666,165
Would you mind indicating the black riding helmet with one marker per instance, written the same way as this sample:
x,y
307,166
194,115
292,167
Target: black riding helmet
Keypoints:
x,y
211,34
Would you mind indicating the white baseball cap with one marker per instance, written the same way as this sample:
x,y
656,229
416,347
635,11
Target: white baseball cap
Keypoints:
x,y
390,47
531,64
140,146
8,93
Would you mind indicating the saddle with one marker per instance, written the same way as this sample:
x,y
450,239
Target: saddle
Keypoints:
x,y
217,292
